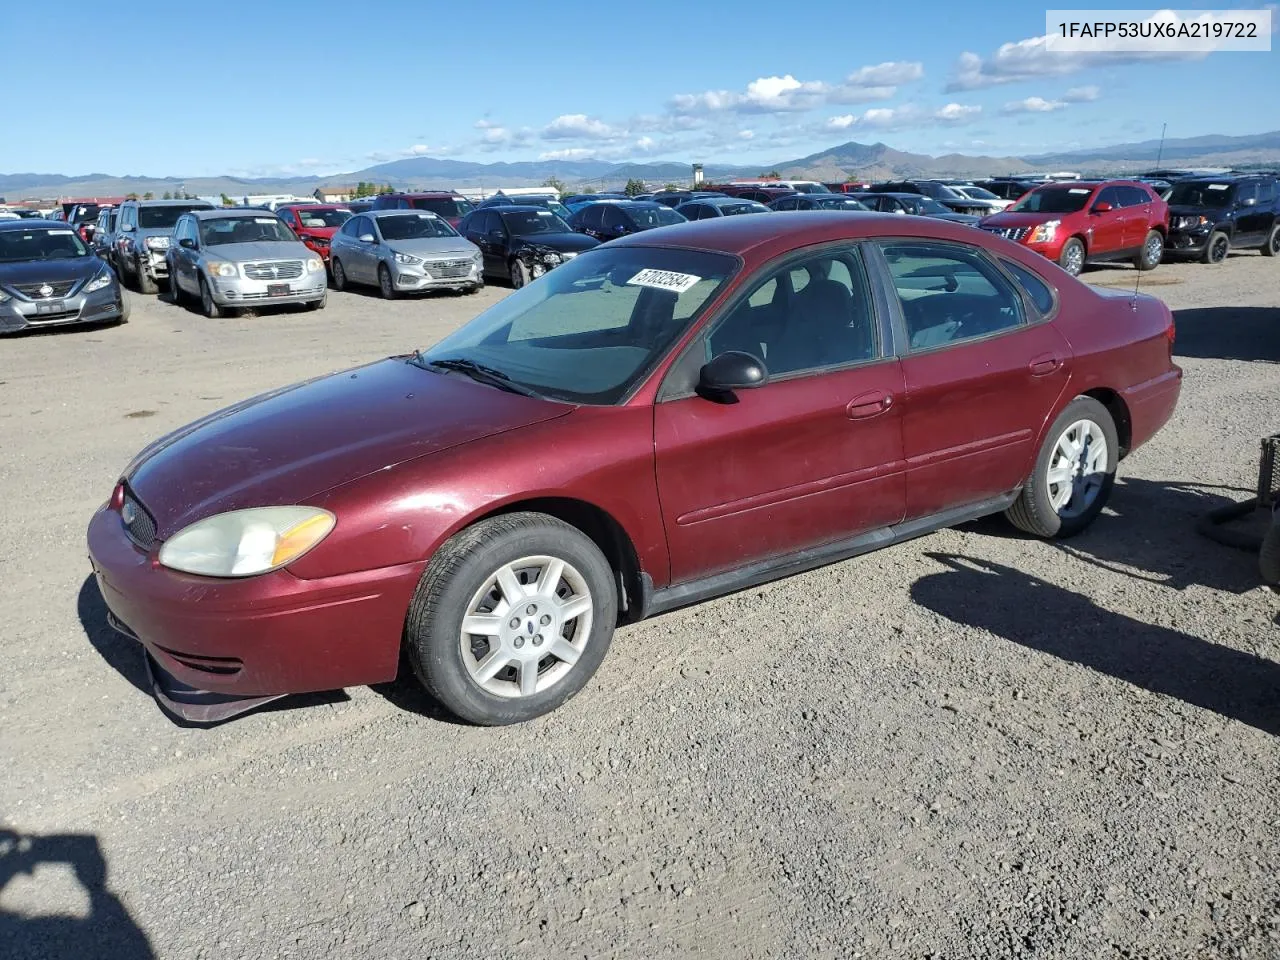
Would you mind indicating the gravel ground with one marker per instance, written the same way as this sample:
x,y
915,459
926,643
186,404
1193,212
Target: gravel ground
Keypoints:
x,y
972,745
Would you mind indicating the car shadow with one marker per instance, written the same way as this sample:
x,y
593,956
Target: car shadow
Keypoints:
x,y
1149,533
406,693
126,657
1042,616
1228,333
373,293
106,931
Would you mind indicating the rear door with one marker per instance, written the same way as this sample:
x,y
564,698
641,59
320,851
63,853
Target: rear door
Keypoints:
x,y
981,371
1137,218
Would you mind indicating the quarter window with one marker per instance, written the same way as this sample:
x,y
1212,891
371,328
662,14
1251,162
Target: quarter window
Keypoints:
x,y
949,294
1133,196
1036,288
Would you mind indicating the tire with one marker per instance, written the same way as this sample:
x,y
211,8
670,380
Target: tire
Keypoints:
x,y
1035,511
145,283
1152,251
1216,248
1269,555
475,288
207,303
385,286
339,274
1072,257
175,291
519,274
126,306
1272,247
317,304
461,581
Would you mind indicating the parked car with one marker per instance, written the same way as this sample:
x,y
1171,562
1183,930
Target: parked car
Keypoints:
x,y
673,198
721,206
790,186
818,201
359,206
972,191
49,277
315,224
521,243
401,251
232,258
574,202
708,408
915,204
104,234
1009,188
452,206
1210,217
6,215
848,187
1080,221
940,192
143,234
610,220
83,217
765,195
546,203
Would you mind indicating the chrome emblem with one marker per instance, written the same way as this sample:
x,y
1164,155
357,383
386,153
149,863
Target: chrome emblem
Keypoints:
x,y
128,513
275,272
46,291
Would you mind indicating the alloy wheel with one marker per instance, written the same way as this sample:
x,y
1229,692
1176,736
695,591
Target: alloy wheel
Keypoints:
x,y
1074,260
1221,245
1155,249
526,626
384,282
1077,468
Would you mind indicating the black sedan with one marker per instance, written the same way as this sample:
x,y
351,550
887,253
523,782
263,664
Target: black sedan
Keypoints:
x,y
611,219
721,206
818,201
915,204
50,277
521,243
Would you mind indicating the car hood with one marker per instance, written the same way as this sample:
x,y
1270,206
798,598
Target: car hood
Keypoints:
x,y
1191,210
434,247
262,250
1007,219
50,271
563,242
966,218
287,446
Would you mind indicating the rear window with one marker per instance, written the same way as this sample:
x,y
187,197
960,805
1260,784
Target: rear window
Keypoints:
x,y
444,206
162,218
1036,288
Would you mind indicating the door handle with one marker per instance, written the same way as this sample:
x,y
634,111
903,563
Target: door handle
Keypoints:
x,y
1043,366
867,405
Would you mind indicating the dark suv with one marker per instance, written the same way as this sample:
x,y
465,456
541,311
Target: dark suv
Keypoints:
x,y
952,199
452,206
1211,216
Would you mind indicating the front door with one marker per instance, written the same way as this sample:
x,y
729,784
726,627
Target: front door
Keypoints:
x,y
812,457
1252,218
980,380
1106,227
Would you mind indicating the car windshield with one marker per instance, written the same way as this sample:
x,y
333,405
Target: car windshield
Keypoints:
x,y
978,193
1202,194
837,202
162,218
222,230
444,206
655,216
809,188
49,244
414,226
521,223
322,218
927,205
1053,200
86,211
750,206
588,331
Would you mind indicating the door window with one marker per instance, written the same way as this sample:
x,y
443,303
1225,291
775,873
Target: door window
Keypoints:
x,y
810,315
614,219
1246,192
1110,195
1133,196
949,293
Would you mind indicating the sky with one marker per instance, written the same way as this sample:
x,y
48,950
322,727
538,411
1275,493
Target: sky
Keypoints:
x,y
313,87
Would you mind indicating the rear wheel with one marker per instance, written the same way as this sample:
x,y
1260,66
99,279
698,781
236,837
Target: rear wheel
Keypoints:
x,y
385,286
1272,247
1217,247
1152,251
1073,474
1072,257
512,617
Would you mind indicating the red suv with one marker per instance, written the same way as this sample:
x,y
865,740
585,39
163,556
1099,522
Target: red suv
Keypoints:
x,y
453,207
315,224
1076,222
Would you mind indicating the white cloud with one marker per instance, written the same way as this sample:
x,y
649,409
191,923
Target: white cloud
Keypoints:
x,y
746,134
763,95
1031,59
568,153
1082,94
896,118
842,122
645,144
879,82
957,113
578,126
883,117
1033,105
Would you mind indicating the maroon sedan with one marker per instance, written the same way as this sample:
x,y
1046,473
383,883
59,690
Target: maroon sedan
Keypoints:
x,y
663,419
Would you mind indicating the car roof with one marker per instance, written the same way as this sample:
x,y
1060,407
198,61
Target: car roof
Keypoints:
x,y
379,214
313,206
426,195
213,213
520,208
170,203
27,223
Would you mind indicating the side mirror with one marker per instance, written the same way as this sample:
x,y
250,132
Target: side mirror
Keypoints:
x,y
187,242
1102,207
730,371
1249,202
367,238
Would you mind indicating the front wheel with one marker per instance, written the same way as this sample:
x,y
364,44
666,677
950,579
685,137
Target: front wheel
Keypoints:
x,y
385,286
511,618
207,303
1272,247
1072,257
1217,247
1073,474
1152,251
317,304
146,284
519,274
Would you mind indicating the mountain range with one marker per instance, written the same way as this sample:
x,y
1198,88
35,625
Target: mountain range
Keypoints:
x,y
874,161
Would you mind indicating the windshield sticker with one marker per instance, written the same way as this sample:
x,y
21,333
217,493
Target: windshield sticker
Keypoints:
x,y
664,280
1079,190
263,220
62,233
544,213
1219,186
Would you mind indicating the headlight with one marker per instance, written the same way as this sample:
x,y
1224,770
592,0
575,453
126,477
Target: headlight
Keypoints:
x,y
102,280
407,260
549,257
219,268
1187,223
158,243
1044,232
4,297
244,543
314,265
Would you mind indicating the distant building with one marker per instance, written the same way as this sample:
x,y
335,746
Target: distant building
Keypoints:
x,y
334,194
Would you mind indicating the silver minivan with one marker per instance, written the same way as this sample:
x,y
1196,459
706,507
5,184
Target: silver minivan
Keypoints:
x,y
404,250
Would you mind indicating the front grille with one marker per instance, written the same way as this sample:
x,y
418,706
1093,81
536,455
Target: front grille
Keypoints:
x,y
1009,233
281,270
141,526
37,291
449,269
59,317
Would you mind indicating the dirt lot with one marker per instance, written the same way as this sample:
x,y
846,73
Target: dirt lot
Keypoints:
x,y
972,745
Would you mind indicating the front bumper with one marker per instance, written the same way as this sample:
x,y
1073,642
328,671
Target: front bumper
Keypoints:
x,y
240,291
1187,242
217,648
101,306
155,265
429,276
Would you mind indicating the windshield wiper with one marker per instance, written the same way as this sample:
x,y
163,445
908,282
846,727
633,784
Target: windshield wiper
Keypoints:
x,y
478,372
